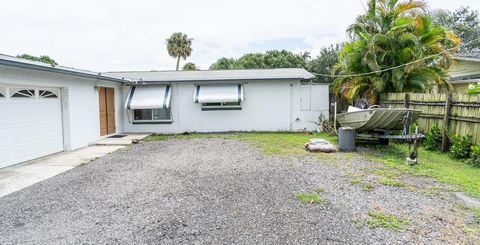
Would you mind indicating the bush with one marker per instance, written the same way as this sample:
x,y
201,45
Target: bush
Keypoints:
x,y
433,139
474,156
460,148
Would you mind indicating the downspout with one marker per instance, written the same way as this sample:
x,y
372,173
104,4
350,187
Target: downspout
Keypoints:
x,y
291,106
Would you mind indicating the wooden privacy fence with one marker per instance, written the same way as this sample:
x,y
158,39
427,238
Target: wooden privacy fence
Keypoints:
x,y
460,113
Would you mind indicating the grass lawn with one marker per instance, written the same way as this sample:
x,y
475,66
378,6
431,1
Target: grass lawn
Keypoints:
x,y
432,164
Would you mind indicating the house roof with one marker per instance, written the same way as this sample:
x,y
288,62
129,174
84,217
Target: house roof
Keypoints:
x,y
468,57
7,60
215,75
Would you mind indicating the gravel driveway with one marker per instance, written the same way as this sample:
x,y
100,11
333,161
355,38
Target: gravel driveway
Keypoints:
x,y
220,191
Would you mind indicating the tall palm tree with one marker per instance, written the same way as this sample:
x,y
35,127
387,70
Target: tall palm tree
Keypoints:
x,y
179,46
391,34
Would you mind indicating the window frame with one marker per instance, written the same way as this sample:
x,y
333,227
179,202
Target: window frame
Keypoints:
x,y
222,106
15,90
53,91
162,121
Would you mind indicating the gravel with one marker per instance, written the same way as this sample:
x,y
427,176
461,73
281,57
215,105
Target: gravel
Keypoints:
x,y
219,191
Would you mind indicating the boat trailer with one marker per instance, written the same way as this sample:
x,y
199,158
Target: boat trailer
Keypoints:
x,y
406,136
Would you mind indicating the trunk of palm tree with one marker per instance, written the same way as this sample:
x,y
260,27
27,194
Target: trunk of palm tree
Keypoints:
x,y
178,62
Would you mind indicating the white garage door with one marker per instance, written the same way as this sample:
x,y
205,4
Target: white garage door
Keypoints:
x,y
30,124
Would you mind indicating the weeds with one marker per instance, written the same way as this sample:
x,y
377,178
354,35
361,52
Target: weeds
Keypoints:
x,y
391,182
309,197
387,221
367,187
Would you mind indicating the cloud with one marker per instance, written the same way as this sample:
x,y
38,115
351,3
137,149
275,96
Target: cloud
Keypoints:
x,y
130,35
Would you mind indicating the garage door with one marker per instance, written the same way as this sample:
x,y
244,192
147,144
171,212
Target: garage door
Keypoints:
x,y
30,123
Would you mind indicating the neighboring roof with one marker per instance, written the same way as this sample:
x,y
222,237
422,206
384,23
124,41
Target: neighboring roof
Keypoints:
x,y
468,57
8,60
465,80
215,75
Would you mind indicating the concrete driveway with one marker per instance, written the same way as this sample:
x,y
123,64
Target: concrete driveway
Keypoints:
x,y
217,191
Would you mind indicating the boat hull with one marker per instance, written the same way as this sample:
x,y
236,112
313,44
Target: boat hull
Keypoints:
x,y
378,119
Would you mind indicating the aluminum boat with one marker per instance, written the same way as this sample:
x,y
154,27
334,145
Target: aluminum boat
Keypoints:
x,y
377,119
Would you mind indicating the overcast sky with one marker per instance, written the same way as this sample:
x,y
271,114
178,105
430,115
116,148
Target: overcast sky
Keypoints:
x,y
110,35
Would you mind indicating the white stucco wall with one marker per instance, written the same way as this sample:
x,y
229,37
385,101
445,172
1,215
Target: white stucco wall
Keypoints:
x,y
268,106
79,101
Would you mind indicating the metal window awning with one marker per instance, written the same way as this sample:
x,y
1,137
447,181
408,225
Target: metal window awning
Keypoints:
x,y
148,97
218,93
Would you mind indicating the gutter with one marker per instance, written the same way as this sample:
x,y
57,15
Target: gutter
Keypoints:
x,y
462,58
63,70
233,80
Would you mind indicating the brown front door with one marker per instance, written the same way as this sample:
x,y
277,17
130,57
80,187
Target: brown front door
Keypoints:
x,y
107,110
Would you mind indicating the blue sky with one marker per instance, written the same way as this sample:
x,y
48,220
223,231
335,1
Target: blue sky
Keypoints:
x,y
108,35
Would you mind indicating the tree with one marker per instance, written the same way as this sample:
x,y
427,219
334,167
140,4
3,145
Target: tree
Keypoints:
x,y
179,46
252,61
324,63
225,64
43,58
394,34
465,23
268,60
190,67
286,59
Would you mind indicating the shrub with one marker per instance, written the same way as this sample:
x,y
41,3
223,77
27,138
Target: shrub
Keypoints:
x,y
460,148
474,156
433,139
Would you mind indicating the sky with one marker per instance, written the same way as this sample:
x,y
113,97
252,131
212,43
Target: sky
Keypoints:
x,y
120,35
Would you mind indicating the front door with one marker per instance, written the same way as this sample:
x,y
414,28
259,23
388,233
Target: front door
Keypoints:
x,y
107,110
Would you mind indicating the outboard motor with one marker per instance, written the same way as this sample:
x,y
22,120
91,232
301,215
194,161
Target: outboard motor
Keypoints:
x,y
361,103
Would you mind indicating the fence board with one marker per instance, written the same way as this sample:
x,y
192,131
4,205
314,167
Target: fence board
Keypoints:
x,y
464,118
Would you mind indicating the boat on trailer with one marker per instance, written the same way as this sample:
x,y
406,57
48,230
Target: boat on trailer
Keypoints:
x,y
384,124
376,118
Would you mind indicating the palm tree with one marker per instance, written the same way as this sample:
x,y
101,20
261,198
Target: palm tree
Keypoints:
x,y
393,34
179,46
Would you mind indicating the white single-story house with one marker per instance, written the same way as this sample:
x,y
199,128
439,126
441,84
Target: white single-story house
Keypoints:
x,y
46,109
219,101
465,71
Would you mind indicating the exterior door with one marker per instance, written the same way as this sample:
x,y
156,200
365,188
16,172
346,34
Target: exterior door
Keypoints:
x,y
107,110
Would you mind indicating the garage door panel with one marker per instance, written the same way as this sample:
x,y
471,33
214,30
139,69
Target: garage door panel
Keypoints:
x,y
31,128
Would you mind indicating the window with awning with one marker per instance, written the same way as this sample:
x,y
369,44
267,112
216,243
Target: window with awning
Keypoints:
x,y
150,104
219,96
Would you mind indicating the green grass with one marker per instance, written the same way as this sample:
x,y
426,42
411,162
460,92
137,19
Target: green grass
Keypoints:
x,y
387,221
356,181
431,164
310,197
367,187
391,182
282,144
476,214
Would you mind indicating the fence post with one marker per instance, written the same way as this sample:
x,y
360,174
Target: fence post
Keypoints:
x,y
446,119
406,100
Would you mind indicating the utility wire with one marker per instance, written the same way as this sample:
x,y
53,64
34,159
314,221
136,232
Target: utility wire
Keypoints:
x,y
392,68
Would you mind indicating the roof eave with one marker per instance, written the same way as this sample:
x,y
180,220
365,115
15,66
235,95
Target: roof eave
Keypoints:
x,y
221,79
467,59
62,70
